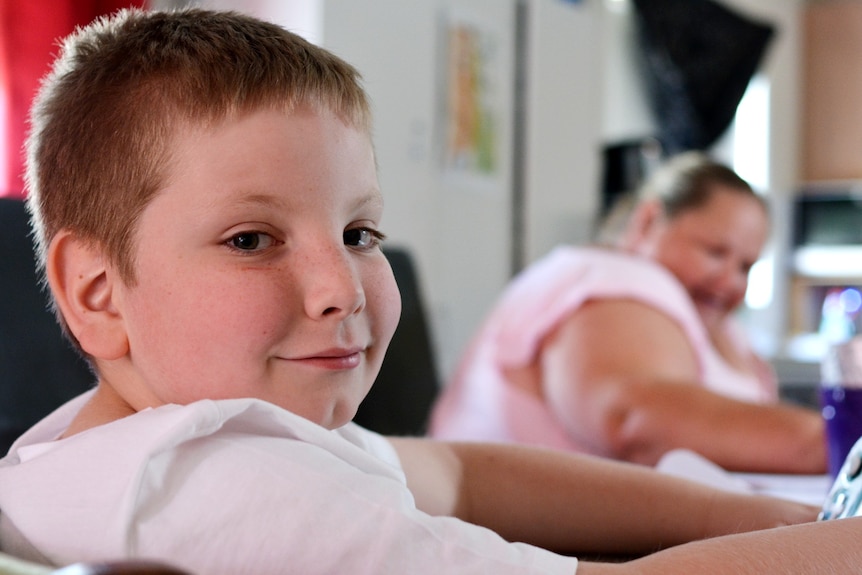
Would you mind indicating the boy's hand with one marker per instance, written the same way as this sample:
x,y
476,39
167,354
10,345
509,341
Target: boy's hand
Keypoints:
x,y
576,504
755,512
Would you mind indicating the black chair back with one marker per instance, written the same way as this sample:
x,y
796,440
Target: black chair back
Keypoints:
x,y
39,369
402,396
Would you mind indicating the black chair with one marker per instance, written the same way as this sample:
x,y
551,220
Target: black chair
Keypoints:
x,y
400,400
39,369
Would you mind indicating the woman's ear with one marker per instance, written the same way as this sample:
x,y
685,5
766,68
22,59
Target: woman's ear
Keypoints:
x,y
83,287
646,215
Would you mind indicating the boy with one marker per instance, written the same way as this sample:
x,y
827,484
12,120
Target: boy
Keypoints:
x,y
205,202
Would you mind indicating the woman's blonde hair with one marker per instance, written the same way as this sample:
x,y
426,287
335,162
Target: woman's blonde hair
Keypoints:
x,y
684,182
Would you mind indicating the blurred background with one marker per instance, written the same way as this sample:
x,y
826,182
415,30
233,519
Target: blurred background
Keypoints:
x,y
506,127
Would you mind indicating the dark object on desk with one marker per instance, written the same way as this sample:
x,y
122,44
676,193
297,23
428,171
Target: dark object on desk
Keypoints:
x,y
798,381
845,495
39,370
400,400
10,565
120,568
802,394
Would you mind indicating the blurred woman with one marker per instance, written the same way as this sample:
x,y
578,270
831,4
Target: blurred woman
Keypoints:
x,y
630,350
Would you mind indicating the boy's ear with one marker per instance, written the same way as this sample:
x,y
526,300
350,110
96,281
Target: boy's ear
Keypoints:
x,y
83,288
644,218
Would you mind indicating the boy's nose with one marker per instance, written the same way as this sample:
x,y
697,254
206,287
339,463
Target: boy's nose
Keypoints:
x,y
332,286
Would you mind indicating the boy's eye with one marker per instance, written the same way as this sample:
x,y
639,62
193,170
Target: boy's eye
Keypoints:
x,y
362,237
250,241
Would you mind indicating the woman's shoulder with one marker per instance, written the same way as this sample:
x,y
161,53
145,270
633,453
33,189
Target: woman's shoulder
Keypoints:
x,y
557,285
598,265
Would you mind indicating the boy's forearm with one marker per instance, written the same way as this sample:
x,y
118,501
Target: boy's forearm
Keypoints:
x,y
829,547
584,505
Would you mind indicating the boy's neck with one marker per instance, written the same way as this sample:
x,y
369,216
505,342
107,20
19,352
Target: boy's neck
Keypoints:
x,y
103,407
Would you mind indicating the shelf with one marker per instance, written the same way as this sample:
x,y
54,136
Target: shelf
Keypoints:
x,y
830,263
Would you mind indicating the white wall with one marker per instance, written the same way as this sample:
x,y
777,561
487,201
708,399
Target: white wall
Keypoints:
x,y
625,110
565,103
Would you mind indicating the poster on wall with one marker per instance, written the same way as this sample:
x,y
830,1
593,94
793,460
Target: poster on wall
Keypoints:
x,y
471,99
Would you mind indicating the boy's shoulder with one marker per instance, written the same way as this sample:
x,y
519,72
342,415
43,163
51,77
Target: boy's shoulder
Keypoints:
x,y
232,421
179,461
249,488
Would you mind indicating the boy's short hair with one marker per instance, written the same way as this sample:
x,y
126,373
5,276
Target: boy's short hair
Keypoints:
x,y
103,122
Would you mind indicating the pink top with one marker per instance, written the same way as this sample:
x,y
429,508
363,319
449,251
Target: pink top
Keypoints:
x,y
480,404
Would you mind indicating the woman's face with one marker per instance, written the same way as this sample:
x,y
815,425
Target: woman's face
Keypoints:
x,y
711,249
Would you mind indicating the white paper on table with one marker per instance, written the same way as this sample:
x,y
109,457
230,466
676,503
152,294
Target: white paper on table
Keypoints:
x,y
690,465
811,489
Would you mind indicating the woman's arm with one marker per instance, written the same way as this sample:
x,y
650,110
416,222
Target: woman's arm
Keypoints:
x,y
577,504
621,377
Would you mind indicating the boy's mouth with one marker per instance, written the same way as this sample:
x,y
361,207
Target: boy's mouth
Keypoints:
x,y
335,358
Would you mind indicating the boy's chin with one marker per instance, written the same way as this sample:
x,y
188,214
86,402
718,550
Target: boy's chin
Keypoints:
x,y
333,418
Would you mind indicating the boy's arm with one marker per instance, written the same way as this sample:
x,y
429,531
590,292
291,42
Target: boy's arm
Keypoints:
x,y
576,504
815,548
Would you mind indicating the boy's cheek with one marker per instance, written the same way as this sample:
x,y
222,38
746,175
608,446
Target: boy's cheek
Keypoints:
x,y
391,310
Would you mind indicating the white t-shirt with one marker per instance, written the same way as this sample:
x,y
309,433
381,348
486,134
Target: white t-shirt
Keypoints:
x,y
237,486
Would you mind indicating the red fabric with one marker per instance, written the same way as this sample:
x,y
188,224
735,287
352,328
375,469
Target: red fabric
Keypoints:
x,y
29,40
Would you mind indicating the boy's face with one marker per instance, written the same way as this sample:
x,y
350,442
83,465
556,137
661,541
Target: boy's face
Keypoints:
x,y
259,273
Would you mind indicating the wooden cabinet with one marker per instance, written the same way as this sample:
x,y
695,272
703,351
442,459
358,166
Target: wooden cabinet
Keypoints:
x,y
832,91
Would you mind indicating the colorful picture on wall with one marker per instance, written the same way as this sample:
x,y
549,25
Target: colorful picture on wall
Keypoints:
x,y
471,118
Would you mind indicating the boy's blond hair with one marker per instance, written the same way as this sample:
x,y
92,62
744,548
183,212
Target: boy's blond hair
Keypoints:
x,y
103,123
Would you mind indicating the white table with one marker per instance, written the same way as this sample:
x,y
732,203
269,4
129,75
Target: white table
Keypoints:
x,y
811,489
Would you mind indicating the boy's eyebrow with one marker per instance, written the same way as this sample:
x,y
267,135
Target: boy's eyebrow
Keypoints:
x,y
372,199
256,199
